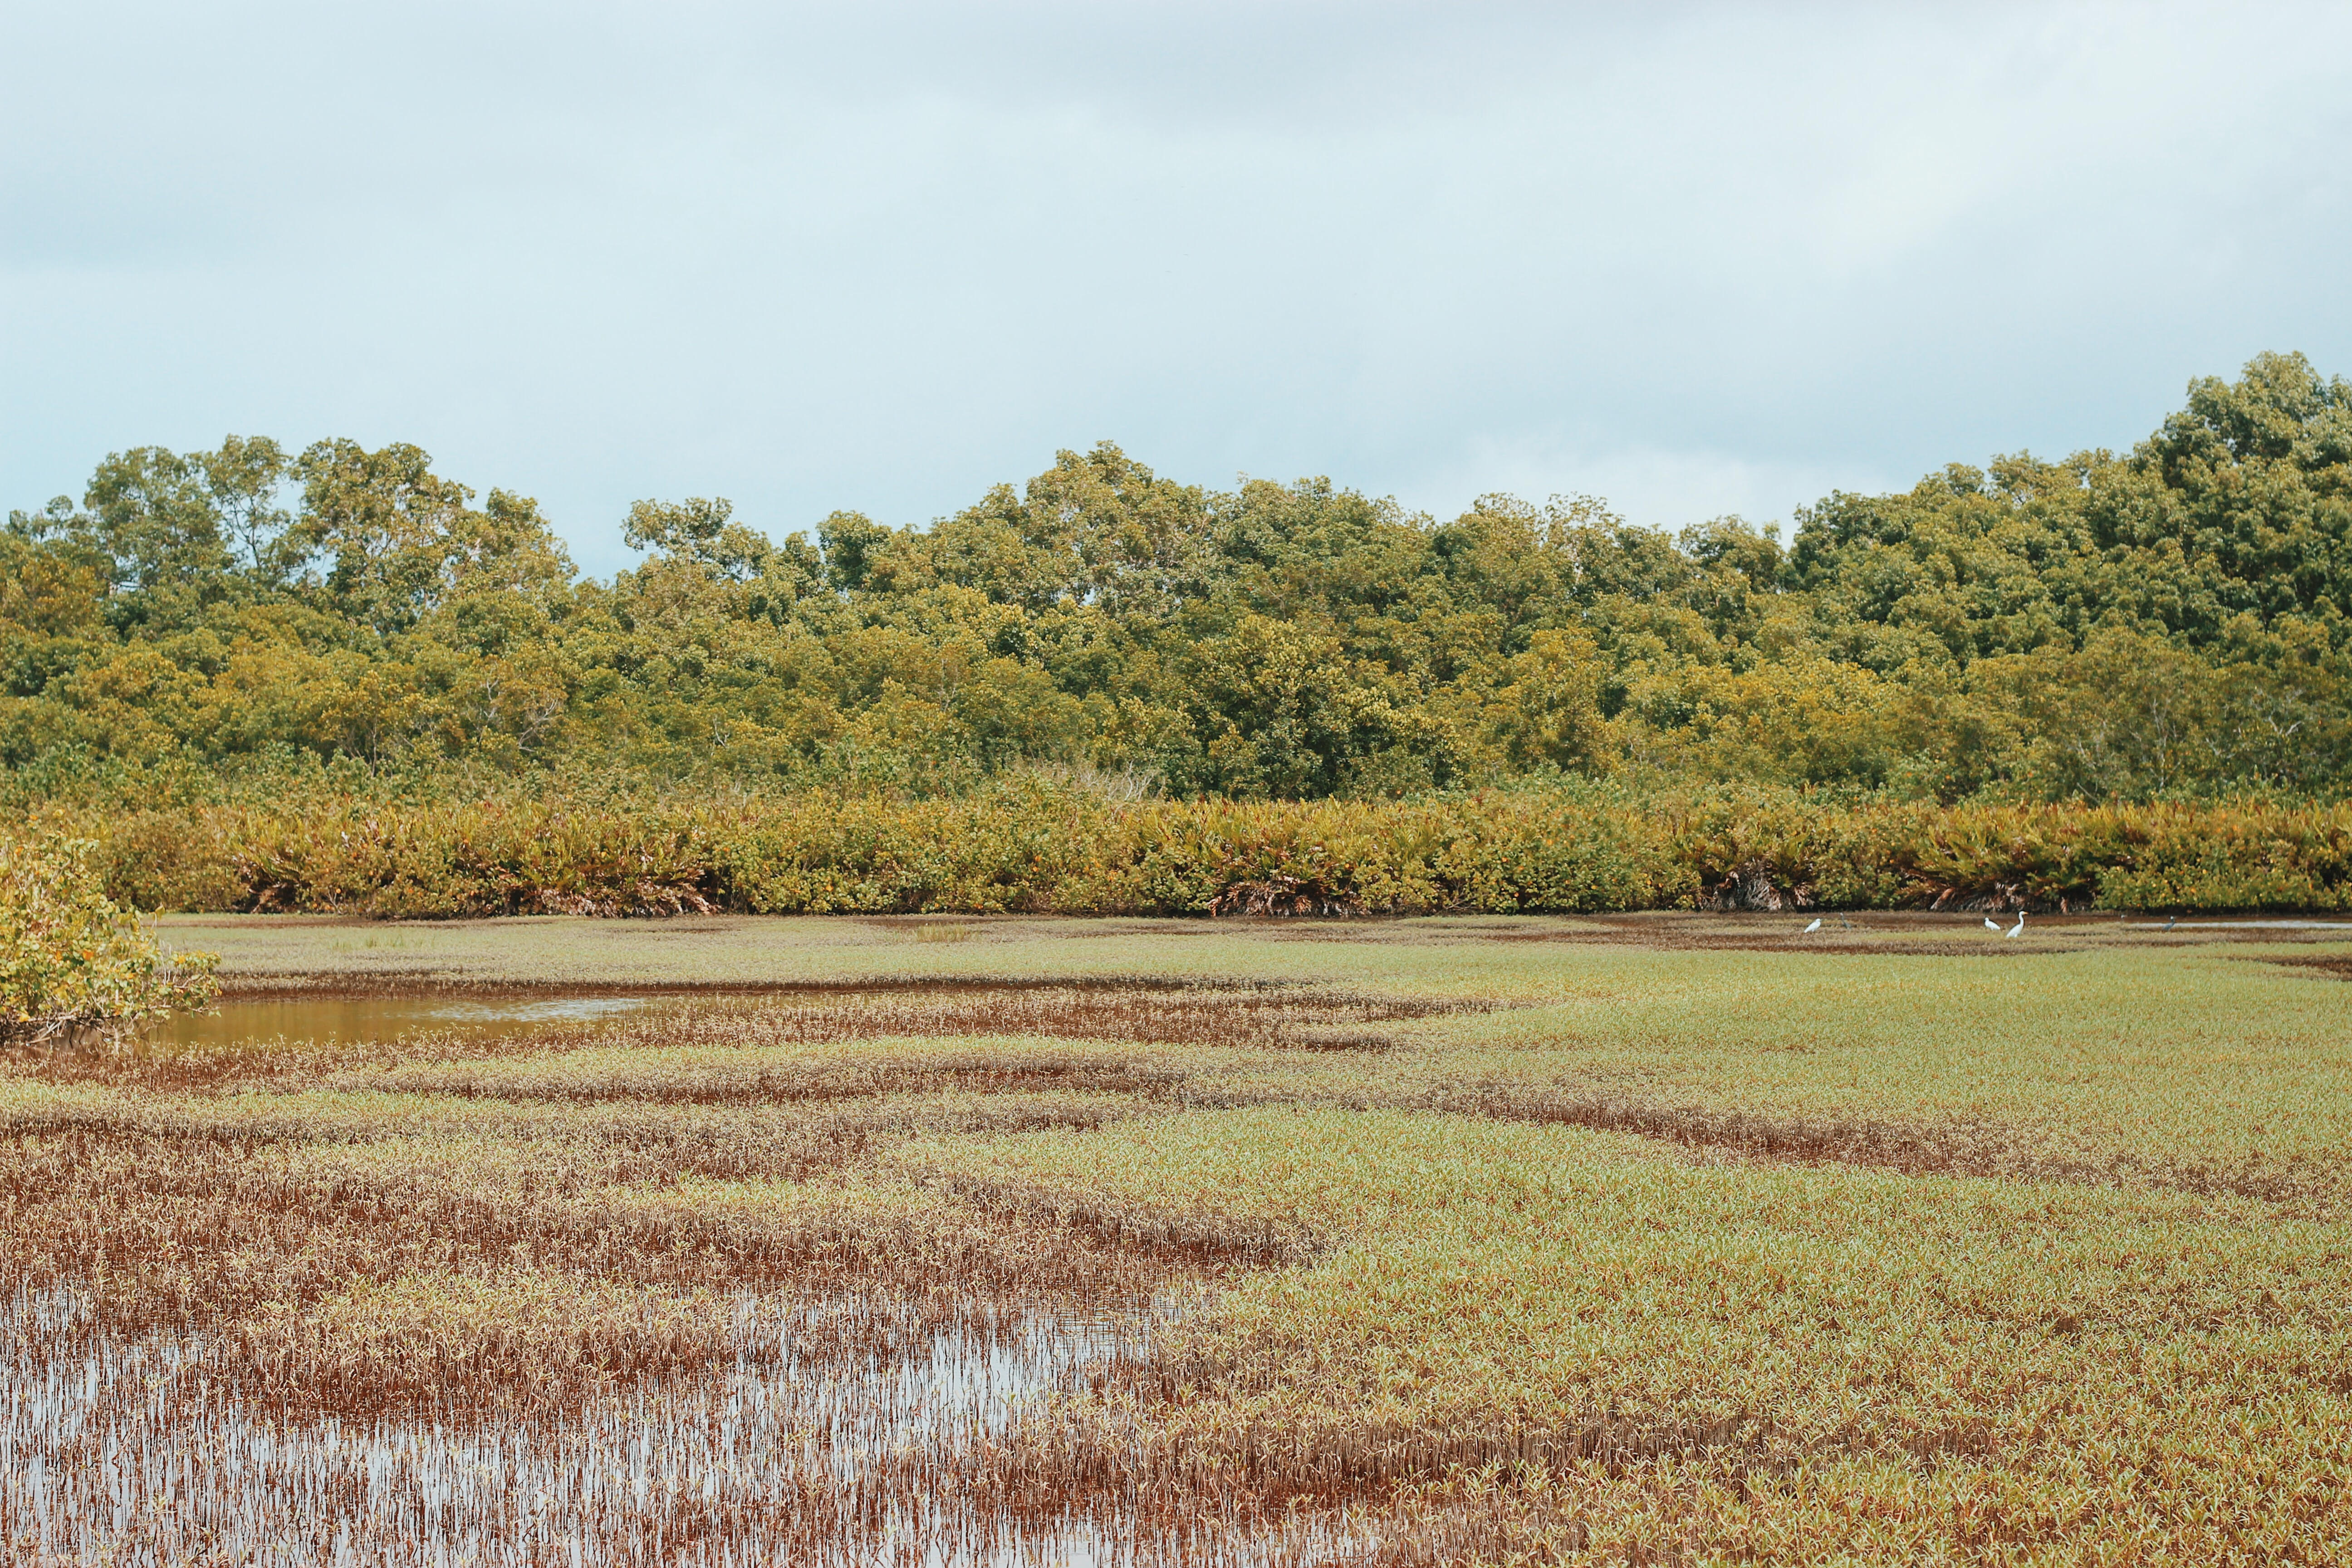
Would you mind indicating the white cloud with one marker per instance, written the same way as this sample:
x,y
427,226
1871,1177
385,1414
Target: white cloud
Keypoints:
x,y
880,256
1648,486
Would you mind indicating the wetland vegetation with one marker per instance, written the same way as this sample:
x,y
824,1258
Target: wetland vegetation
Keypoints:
x,y
1505,1226
1679,1238
258,680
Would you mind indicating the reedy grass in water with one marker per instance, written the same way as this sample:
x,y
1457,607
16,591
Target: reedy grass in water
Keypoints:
x,y
2033,1258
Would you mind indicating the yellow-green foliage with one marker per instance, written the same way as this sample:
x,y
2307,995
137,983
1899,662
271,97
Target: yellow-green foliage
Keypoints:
x,y
70,959
1038,849
2174,620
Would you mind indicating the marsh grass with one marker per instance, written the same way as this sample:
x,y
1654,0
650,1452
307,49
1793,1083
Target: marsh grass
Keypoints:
x,y
1599,1251
1814,1362
1951,1145
1265,1017
828,1431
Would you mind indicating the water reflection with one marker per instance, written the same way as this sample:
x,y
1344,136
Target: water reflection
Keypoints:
x,y
121,1451
385,1017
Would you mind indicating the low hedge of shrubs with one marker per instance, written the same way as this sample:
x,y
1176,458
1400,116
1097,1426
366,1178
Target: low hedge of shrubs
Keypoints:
x,y
1039,848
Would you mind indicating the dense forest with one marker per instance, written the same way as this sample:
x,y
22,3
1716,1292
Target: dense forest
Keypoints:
x,y
2175,621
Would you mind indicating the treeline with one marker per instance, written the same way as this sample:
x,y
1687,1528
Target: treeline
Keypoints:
x,y
2169,622
1026,847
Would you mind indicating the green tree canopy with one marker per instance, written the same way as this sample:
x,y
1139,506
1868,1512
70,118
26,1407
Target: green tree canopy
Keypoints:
x,y
2173,619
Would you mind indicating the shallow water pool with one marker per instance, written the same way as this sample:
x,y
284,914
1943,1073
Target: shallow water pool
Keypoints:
x,y
385,1017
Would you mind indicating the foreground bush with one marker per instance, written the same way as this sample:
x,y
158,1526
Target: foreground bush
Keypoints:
x,y
1032,848
74,961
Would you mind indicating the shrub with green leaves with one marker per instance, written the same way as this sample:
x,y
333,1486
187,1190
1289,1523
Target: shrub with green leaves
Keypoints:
x,y
73,961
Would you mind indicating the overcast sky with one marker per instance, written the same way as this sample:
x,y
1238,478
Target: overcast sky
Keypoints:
x,y
1699,260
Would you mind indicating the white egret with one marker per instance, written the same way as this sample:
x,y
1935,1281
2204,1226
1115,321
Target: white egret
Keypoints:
x,y
1991,924
1813,928
2017,927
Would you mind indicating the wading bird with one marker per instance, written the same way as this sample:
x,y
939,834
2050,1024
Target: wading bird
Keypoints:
x,y
2017,927
1991,924
1813,928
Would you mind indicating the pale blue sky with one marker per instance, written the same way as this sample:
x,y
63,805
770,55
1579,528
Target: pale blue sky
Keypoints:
x,y
1698,260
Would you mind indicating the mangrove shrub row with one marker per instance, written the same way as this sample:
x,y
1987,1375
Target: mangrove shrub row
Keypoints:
x,y
1025,847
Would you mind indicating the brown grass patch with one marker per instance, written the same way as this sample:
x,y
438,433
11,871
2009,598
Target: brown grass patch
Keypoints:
x,y
1270,1017
708,1076
2333,968
173,1234
1954,1146
458,1343
613,1142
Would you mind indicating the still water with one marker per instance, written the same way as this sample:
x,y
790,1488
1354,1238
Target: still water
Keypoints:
x,y
385,1017
127,1451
